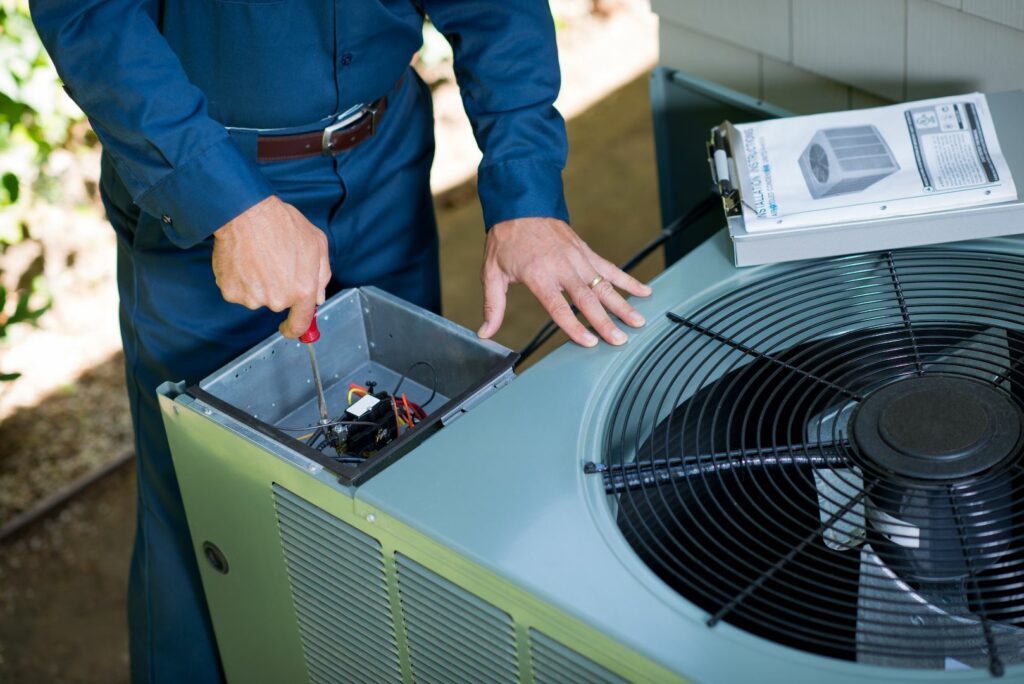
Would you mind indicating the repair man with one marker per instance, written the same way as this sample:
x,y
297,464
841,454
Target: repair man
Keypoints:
x,y
259,154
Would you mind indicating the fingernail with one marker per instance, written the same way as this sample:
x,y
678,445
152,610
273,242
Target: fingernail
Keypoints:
x,y
619,337
647,290
637,319
482,330
589,339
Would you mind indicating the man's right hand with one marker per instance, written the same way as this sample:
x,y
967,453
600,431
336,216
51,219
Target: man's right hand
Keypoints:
x,y
270,255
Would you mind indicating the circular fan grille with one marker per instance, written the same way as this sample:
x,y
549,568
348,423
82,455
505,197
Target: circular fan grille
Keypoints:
x,y
819,162
830,458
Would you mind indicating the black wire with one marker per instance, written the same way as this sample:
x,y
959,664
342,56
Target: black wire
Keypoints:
x,y
667,233
433,388
327,424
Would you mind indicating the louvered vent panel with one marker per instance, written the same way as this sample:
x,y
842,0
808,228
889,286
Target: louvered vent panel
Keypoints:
x,y
340,594
454,637
554,663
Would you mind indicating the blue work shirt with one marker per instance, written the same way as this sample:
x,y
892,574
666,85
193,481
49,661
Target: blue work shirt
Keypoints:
x,y
161,79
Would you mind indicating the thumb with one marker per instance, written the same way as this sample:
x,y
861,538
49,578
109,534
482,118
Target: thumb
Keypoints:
x,y
495,289
299,318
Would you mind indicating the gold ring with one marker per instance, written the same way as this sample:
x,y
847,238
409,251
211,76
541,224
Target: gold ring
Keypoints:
x,y
596,281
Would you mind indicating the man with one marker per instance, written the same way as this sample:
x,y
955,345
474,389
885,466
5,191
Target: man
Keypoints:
x,y
261,153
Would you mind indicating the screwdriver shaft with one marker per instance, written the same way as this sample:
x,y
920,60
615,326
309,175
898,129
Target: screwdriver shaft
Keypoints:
x,y
321,400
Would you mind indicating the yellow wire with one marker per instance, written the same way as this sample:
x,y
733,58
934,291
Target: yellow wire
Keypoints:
x,y
353,391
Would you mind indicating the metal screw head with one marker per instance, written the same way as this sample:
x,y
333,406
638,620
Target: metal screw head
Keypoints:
x,y
208,411
917,620
370,517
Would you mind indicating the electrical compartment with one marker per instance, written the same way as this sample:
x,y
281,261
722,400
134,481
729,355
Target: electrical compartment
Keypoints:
x,y
393,374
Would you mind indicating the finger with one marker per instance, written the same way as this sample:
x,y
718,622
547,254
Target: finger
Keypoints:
x,y
299,318
613,302
590,306
324,277
495,294
617,276
551,299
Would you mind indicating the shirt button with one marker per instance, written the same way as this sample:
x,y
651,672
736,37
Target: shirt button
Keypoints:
x,y
166,219
346,59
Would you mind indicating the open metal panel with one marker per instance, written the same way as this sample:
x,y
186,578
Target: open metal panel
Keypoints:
x,y
685,108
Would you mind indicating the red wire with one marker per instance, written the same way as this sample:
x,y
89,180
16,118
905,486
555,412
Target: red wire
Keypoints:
x,y
408,413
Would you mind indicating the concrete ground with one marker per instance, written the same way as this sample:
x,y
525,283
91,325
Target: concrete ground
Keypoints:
x,y
62,580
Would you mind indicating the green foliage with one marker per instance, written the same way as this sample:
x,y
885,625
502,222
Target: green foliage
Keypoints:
x,y
35,119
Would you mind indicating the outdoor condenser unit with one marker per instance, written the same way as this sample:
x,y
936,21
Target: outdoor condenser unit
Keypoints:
x,y
803,472
848,159
808,472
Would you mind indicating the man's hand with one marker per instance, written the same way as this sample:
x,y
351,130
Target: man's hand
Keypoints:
x,y
550,259
270,255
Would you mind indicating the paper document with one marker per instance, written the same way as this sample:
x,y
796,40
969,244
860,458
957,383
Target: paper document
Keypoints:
x,y
843,167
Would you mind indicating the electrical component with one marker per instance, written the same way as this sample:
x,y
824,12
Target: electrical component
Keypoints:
x,y
366,403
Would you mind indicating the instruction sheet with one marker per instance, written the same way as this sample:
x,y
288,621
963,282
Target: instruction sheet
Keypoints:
x,y
843,167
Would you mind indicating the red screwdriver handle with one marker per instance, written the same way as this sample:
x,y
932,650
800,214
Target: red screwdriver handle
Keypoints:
x,y
313,334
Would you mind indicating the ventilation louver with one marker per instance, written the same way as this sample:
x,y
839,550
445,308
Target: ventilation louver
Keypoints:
x,y
554,663
453,635
830,458
340,594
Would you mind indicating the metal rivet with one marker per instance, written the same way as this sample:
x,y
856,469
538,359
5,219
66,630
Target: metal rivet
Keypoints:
x,y
917,620
370,517
208,411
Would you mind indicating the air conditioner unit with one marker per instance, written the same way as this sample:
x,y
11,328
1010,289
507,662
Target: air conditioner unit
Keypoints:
x,y
795,473
843,160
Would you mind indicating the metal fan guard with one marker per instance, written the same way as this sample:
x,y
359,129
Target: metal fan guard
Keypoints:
x,y
732,473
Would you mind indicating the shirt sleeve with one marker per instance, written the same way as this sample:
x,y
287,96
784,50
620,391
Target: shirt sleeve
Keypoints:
x,y
506,62
177,162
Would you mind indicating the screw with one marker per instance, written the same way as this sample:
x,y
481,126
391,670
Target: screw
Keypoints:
x,y
917,620
370,517
208,411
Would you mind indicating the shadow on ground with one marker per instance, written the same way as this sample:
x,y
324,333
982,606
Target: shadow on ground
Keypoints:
x,y
62,580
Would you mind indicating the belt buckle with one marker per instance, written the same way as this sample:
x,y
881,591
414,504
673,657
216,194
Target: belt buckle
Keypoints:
x,y
349,117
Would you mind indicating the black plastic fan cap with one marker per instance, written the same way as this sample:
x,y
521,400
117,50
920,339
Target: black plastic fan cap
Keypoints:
x,y
937,427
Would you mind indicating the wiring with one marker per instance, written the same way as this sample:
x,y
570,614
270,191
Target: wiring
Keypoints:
x,y
330,423
433,384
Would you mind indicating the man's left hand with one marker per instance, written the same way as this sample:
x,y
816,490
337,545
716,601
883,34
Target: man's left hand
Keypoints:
x,y
549,258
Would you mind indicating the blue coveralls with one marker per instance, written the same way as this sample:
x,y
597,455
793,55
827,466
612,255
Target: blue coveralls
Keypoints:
x,y
173,89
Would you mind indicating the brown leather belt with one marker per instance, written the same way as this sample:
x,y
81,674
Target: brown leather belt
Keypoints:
x,y
348,130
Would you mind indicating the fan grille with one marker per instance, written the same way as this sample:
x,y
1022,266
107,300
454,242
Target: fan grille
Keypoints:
x,y
730,463
819,163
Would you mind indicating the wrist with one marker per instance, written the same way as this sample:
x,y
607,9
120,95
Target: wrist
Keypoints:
x,y
246,216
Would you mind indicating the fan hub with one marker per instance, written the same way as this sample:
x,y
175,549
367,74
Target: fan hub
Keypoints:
x,y
937,427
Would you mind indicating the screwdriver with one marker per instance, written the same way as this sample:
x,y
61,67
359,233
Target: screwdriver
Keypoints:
x,y
308,338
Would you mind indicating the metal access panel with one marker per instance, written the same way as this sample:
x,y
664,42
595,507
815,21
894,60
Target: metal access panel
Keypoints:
x,y
369,336
685,107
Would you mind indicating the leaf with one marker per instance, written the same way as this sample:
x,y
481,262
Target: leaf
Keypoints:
x,y
7,377
23,313
31,272
3,298
12,185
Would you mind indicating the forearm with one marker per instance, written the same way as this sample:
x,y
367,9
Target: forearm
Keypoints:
x,y
174,159
506,61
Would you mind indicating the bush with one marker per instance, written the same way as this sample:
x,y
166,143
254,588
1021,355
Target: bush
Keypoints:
x,y
35,119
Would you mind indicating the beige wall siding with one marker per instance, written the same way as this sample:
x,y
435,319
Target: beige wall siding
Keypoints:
x,y
817,55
